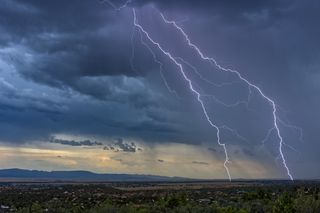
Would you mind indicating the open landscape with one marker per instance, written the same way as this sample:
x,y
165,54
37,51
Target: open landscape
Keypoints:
x,y
159,106
200,196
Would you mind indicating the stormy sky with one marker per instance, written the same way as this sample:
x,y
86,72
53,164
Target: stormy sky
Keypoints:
x,y
81,88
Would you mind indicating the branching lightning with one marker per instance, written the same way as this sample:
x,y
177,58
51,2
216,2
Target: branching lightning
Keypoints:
x,y
117,8
201,77
250,85
298,129
180,63
234,132
160,66
270,131
193,90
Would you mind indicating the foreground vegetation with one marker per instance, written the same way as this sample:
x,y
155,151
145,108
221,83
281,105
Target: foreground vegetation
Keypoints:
x,y
179,204
279,198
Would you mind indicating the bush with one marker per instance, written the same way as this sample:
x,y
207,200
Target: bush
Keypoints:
x,y
284,204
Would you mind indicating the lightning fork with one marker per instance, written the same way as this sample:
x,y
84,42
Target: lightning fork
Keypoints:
x,y
160,67
193,90
250,85
114,6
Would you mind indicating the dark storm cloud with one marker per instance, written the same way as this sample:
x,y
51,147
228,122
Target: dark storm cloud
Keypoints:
x,y
26,115
232,12
219,5
68,41
15,100
74,41
274,44
75,46
83,49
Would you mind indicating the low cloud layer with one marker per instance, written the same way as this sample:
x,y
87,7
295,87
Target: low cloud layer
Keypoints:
x,y
121,146
75,143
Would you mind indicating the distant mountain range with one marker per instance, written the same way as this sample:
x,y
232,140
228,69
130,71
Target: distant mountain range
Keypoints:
x,y
35,175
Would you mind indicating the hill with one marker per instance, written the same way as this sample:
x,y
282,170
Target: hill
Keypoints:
x,y
79,176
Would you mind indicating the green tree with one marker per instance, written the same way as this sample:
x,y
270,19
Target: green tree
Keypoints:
x,y
284,204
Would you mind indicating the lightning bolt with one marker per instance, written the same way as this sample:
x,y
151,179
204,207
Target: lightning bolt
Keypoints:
x,y
234,132
133,52
114,6
247,82
201,77
193,90
270,131
124,5
179,63
298,129
160,66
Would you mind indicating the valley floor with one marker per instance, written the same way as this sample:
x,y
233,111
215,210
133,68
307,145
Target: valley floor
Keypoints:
x,y
218,196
